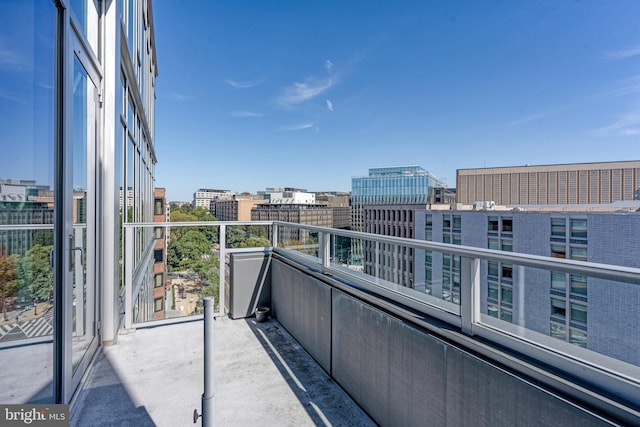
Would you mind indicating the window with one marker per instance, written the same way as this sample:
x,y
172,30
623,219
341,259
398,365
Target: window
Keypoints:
x,y
578,228
506,294
429,221
158,207
159,232
578,338
492,268
456,262
558,227
558,281
579,285
578,313
158,255
158,280
158,304
507,245
507,225
446,238
446,260
578,253
492,310
493,244
493,223
446,221
457,222
506,315
507,271
558,331
558,251
558,308
492,291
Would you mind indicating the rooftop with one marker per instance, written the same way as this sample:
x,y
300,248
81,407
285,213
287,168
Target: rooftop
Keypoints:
x,y
154,376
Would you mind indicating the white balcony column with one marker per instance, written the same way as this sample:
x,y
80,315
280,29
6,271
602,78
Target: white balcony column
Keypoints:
x,y
128,277
469,293
222,271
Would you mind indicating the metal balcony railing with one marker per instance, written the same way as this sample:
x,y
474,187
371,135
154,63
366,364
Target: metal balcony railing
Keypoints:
x,y
456,291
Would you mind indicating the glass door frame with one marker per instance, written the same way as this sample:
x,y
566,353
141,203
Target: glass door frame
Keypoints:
x,y
66,378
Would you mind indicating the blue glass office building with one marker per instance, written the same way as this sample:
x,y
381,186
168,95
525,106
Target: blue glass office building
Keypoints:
x,y
394,185
401,185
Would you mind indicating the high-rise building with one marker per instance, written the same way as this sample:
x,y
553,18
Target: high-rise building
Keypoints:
x,y
550,303
379,201
203,197
576,183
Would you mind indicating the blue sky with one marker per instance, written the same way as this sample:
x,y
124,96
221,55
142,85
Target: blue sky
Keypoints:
x,y
255,94
309,94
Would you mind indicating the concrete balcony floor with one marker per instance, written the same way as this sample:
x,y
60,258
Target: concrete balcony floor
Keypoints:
x,y
154,376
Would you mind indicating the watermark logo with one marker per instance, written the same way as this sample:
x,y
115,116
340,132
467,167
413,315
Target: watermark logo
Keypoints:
x,y
34,415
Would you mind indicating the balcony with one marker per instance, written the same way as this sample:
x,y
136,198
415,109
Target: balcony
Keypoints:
x,y
349,345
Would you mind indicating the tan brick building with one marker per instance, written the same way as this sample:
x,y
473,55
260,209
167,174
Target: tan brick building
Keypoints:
x,y
577,183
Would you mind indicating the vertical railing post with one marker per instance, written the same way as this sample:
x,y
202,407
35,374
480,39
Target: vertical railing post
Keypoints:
x,y
469,293
208,397
128,277
377,259
325,249
274,235
222,270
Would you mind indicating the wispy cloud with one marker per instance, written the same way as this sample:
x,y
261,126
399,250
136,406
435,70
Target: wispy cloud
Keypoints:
x,y
330,105
245,114
629,86
525,120
328,65
625,53
627,125
300,92
242,84
301,126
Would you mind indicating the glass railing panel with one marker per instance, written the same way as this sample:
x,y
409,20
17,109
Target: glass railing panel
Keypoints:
x,y
347,252
399,268
569,313
192,271
300,240
181,265
248,236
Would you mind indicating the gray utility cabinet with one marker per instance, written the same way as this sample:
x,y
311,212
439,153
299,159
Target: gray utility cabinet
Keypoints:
x,y
247,283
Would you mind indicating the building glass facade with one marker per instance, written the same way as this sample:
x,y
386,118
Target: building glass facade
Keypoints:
x,y
78,99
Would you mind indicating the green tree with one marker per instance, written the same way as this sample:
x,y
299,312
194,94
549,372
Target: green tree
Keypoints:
x,y
207,269
43,237
8,284
235,236
188,214
188,250
256,242
35,276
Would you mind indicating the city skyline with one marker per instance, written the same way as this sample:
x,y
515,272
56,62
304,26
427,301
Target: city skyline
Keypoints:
x,y
311,95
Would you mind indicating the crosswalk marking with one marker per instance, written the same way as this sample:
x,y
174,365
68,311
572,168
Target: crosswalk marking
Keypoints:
x,y
39,327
